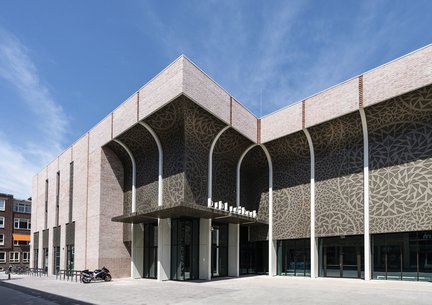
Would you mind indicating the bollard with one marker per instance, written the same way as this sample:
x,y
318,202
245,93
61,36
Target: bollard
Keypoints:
x,y
9,272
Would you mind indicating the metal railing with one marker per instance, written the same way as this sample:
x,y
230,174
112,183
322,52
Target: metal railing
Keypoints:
x,y
36,272
68,275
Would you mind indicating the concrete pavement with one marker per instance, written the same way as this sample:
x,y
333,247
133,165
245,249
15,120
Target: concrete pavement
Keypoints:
x,y
245,290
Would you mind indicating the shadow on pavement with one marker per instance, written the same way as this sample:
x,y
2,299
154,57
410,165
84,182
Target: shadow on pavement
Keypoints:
x,y
221,278
43,295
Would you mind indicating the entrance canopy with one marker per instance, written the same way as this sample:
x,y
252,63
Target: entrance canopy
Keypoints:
x,y
151,214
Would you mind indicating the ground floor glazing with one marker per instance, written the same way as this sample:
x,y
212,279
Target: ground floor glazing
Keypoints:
x,y
204,249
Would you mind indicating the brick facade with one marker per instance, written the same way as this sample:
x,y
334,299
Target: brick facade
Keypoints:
x,y
8,230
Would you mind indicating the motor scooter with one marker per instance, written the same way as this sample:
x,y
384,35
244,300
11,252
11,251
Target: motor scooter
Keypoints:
x,y
102,274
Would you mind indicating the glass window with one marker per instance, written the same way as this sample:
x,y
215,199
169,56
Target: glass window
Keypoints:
x,y
2,220
35,258
26,257
1,239
22,223
45,259
56,260
70,252
2,204
71,177
403,256
22,207
14,257
425,256
379,257
21,243
57,199
2,257
294,257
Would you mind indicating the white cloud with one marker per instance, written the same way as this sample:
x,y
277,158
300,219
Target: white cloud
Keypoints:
x,y
20,161
16,170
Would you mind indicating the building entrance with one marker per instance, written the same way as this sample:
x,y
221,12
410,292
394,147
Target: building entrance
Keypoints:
x,y
184,249
253,254
342,257
150,250
219,251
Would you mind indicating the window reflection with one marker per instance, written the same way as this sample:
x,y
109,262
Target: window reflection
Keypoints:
x,y
402,256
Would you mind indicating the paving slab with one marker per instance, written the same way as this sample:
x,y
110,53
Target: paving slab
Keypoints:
x,y
244,290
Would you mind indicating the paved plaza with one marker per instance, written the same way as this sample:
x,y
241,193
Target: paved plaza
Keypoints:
x,y
23,289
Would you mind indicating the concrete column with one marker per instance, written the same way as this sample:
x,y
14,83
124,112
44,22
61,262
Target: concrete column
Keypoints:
x,y
40,251
31,263
272,256
367,247
313,239
164,249
205,249
233,250
272,243
138,251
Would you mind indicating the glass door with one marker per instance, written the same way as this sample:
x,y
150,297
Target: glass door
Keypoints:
x,y
219,250
394,262
350,264
150,251
332,262
342,256
253,254
184,249
293,257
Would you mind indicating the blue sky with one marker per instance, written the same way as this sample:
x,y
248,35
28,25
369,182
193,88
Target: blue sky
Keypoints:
x,y
64,65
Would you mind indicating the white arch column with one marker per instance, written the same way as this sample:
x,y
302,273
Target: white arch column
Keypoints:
x,y
272,243
160,165
206,224
137,238
164,225
313,239
234,233
367,246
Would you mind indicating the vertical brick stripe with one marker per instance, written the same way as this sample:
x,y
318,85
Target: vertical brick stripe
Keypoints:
x,y
361,90
303,114
259,131
137,106
231,103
